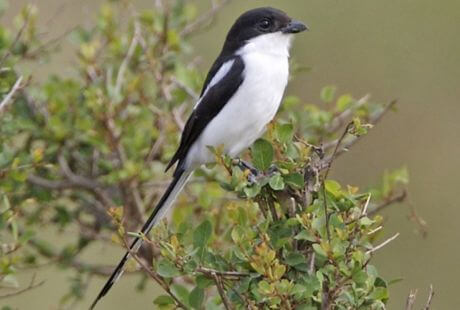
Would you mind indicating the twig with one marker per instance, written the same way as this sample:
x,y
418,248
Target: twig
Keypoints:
x,y
340,119
381,245
184,87
411,300
132,47
231,274
203,19
387,202
31,286
16,40
373,121
430,298
332,157
311,269
366,205
220,289
155,276
10,95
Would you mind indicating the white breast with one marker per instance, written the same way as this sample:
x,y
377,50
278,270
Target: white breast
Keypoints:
x,y
244,118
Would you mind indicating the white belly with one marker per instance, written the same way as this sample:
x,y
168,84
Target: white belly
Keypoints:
x,y
244,118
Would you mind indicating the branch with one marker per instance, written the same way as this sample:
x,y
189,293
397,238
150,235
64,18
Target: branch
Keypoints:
x,y
231,274
340,119
411,300
10,95
377,117
16,39
430,298
389,201
31,286
220,289
381,245
155,276
132,47
204,19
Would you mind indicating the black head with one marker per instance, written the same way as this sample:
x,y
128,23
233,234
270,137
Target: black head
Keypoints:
x,y
258,22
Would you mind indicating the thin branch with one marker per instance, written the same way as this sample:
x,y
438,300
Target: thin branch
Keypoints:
x,y
31,286
411,300
9,96
430,298
389,201
204,18
332,157
377,117
231,274
220,289
132,47
381,245
340,119
155,277
184,87
16,40
366,205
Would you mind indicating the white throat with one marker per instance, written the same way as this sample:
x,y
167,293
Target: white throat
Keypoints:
x,y
276,44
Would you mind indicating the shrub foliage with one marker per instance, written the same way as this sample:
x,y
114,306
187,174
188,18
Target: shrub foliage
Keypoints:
x,y
84,156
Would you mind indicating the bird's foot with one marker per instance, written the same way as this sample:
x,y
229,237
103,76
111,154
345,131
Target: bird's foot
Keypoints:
x,y
253,173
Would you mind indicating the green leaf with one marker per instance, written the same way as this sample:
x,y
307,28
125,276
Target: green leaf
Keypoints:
x,y
167,269
328,93
294,259
181,293
284,132
262,154
276,182
196,297
379,293
203,281
163,300
360,277
333,187
319,250
305,235
202,234
295,180
252,191
344,102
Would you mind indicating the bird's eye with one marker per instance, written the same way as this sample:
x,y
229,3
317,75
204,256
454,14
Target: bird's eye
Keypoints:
x,y
265,24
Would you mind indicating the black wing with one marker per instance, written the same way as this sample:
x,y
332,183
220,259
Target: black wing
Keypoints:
x,y
210,105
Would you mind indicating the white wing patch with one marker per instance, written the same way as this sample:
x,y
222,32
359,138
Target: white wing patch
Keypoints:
x,y
220,74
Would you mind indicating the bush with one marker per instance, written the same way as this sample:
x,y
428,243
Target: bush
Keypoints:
x,y
87,154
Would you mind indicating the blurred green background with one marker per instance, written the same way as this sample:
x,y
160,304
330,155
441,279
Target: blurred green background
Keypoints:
x,y
403,49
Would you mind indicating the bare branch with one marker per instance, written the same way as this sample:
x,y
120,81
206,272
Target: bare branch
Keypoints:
x,y
389,201
157,278
132,47
9,96
340,119
16,40
220,289
204,19
31,286
381,245
430,298
411,300
231,274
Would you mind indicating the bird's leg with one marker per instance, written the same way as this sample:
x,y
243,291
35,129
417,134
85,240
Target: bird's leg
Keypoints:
x,y
253,172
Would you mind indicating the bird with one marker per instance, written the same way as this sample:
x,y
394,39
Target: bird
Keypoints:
x,y
241,94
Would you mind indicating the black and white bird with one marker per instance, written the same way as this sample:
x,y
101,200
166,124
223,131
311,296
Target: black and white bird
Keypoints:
x,y
240,96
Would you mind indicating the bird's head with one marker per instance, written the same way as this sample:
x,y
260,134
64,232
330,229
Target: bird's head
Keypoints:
x,y
262,29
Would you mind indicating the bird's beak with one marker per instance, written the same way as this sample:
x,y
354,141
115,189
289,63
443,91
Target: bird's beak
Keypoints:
x,y
294,27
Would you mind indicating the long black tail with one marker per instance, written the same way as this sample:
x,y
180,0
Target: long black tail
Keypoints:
x,y
180,178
